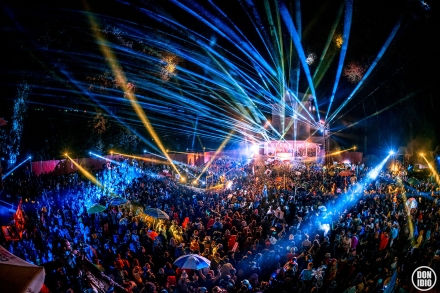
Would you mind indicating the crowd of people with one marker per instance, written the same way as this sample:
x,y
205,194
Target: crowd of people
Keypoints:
x,y
273,228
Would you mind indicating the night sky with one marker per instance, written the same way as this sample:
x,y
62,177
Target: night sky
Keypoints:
x,y
216,69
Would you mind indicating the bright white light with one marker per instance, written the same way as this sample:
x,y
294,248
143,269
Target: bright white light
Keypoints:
x,y
325,228
374,173
255,148
391,152
229,185
346,162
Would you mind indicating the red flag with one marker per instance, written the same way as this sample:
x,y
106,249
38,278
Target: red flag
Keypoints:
x,y
19,218
44,289
185,222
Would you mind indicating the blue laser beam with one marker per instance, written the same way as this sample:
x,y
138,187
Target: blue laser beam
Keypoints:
x,y
107,159
296,40
15,168
370,69
346,36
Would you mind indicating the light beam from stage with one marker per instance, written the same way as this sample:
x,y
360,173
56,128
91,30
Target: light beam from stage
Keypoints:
x,y
86,173
15,168
436,176
375,172
345,36
220,148
122,80
349,198
319,74
370,69
107,159
339,152
156,161
297,42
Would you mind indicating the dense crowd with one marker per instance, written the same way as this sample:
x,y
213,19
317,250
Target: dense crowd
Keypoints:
x,y
299,228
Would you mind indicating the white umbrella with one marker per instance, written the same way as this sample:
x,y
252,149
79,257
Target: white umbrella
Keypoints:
x,y
192,262
156,213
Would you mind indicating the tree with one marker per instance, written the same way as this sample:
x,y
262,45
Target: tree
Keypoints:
x,y
11,140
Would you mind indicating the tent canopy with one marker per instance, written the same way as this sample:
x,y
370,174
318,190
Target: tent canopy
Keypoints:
x,y
19,276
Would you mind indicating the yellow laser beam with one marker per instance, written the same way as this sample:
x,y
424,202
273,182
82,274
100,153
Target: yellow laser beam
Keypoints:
x,y
407,209
436,176
157,161
122,80
86,173
220,148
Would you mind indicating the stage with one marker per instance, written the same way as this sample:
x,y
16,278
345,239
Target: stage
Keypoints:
x,y
291,150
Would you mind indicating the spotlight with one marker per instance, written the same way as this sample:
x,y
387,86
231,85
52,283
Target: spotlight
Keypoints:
x,y
90,153
391,152
30,157
145,151
422,154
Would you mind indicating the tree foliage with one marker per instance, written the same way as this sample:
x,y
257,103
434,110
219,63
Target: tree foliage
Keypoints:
x,y
10,140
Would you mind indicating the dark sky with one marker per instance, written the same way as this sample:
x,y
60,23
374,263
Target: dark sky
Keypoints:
x,y
56,49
